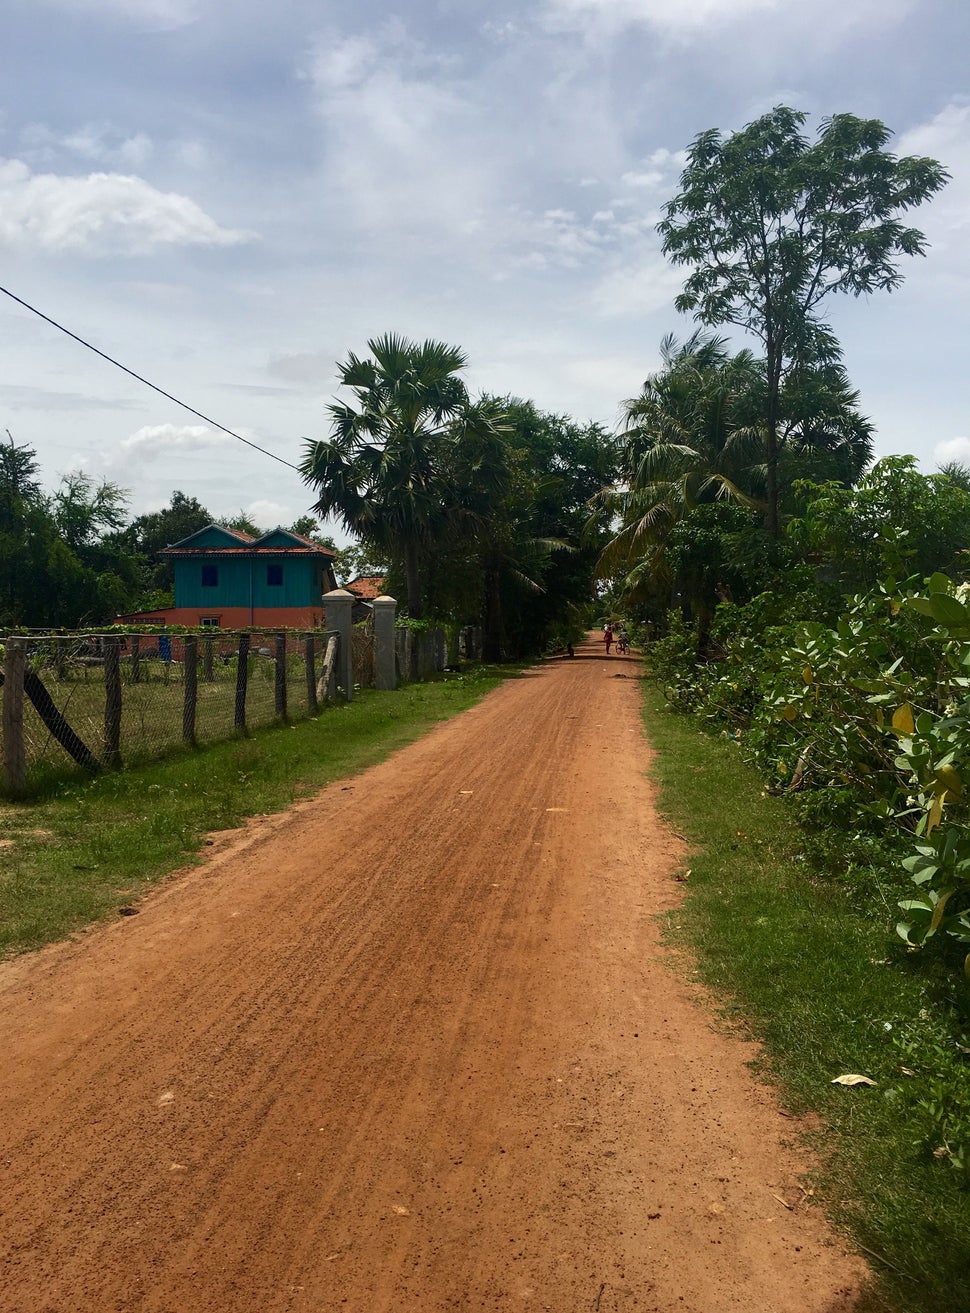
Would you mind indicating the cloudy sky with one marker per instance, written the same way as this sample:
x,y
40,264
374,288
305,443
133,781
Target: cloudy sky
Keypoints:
x,y
230,196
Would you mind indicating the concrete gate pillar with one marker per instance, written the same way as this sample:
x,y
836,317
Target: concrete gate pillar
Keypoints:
x,y
385,664
337,607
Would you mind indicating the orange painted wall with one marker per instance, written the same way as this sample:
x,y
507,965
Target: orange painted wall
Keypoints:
x,y
233,617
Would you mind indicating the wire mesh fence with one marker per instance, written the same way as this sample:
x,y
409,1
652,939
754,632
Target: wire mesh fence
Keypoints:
x,y
86,701
96,700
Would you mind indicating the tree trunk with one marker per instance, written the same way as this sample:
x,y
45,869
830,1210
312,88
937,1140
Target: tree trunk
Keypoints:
x,y
492,643
771,488
774,361
413,578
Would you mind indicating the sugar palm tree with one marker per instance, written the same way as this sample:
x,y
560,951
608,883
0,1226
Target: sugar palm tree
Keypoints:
x,y
696,435
682,448
386,470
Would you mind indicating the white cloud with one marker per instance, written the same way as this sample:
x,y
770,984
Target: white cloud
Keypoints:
x,y
163,15
636,286
95,143
193,154
269,514
103,213
308,367
155,440
686,17
946,138
681,15
945,219
956,449
399,132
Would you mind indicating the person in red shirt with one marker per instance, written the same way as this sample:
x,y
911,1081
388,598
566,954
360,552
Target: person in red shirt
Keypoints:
x,y
608,638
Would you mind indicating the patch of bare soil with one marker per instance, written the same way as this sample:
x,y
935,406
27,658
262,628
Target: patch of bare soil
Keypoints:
x,y
411,1047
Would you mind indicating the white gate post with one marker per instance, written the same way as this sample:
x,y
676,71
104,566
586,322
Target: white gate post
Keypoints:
x,y
337,607
385,665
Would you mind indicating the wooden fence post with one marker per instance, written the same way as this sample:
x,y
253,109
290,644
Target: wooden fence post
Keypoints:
x,y
207,660
281,676
190,668
60,656
136,658
242,679
312,705
14,749
112,703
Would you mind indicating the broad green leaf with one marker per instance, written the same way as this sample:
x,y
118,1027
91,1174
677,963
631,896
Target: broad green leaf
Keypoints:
x,y
948,611
939,583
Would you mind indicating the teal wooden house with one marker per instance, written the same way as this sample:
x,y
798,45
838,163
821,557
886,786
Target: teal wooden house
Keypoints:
x,y
228,580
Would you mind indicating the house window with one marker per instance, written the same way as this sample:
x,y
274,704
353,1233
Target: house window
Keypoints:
x,y
274,576
209,621
210,576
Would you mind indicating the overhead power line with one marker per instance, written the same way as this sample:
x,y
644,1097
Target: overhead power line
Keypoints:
x,y
154,387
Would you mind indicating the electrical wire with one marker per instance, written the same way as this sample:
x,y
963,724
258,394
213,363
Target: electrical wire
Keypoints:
x,y
111,360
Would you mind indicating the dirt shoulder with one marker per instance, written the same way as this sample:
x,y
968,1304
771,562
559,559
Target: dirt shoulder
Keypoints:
x,y
413,1046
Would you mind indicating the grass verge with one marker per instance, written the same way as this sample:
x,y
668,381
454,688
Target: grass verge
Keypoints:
x,y
92,847
828,991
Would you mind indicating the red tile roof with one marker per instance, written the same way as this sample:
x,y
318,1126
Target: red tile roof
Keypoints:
x,y
246,551
367,587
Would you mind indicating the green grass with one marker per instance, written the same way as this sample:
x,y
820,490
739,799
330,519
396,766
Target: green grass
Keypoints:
x,y
828,990
93,846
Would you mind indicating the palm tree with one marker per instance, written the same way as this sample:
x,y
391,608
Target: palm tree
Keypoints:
x,y
682,448
696,436
385,470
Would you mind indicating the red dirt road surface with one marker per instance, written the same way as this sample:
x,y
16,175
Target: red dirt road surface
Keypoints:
x,y
413,1046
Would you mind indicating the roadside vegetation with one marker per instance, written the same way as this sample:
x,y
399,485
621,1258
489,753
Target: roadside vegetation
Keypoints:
x,y
93,847
811,612
804,959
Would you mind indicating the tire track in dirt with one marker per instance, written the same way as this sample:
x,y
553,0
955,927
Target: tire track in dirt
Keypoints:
x,y
412,1046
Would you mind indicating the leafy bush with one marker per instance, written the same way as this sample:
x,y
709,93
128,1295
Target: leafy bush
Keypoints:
x,y
866,717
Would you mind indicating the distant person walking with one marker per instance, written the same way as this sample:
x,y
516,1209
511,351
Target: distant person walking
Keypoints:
x,y
608,638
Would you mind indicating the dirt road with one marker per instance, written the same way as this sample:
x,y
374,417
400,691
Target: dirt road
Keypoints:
x,y
411,1047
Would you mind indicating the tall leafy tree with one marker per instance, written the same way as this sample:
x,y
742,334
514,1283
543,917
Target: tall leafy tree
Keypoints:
x,y
897,522
386,470
772,224
243,522
150,533
692,462
85,510
45,579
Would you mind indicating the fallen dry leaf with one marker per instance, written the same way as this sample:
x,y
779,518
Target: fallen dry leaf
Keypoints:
x,y
852,1079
